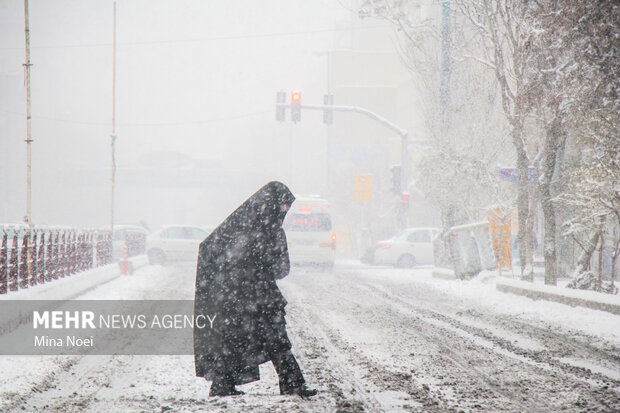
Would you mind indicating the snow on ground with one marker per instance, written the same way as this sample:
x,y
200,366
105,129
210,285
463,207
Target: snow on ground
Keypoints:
x,y
464,345
482,290
370,339
28,373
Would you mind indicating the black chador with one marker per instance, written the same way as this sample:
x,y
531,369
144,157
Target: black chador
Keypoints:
x,y
238,265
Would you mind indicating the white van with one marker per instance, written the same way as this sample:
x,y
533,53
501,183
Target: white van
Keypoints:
x,y
309,232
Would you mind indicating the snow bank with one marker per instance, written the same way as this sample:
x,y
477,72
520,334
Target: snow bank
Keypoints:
x,y
62,289
74,285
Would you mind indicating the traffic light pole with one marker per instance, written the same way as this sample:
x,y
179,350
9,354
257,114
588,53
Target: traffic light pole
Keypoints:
x,y
404,135
296,105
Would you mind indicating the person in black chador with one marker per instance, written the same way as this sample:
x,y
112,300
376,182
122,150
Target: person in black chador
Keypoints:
x,y
238,265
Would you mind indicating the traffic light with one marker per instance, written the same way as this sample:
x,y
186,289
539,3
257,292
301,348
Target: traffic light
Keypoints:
x,y
280,106
296,107
404,199
328,113
395,170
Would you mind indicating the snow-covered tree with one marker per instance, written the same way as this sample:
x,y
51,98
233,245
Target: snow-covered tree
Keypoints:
x,y
502,31
567,55
572,74
554,66
467,131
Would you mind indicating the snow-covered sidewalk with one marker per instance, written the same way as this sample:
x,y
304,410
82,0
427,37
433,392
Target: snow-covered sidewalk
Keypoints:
x,y
537,290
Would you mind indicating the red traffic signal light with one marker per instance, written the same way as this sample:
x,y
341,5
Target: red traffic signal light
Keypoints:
x,y
296,107
405,196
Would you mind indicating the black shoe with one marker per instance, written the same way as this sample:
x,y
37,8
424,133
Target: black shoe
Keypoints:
x,y
224,391
302,391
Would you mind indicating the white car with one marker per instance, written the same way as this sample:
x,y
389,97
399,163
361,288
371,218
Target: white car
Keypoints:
x,y
413,246
309,233
174,243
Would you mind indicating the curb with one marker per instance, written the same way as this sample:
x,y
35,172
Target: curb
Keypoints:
x,y
558,298
444,274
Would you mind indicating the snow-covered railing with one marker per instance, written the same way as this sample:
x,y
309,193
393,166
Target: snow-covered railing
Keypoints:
x,y
28,258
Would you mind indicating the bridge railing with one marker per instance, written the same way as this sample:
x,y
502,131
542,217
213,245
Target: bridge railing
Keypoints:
x,y
40,256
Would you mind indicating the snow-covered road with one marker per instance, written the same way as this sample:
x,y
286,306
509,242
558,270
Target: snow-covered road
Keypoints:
x,y
370,339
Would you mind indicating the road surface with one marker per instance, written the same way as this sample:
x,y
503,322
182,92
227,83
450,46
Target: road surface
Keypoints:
x,y
370,339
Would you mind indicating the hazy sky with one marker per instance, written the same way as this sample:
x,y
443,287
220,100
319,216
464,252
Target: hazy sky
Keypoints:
x,y
196,77
186,70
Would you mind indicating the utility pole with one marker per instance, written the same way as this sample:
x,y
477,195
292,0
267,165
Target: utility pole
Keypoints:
x,y
328,136
449,216
28,118
444,92
28,140
113,136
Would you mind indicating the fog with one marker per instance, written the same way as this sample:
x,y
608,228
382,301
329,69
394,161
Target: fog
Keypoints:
x,y
195,105
462,255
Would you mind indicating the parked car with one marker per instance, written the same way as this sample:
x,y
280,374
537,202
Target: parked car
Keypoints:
x,y
309,233
134,236
174,243
413,246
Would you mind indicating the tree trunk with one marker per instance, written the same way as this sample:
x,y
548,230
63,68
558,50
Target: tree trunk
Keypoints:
x,y
583,262
522,205
549,242
613,263
600,262
449,220
529,242
553,143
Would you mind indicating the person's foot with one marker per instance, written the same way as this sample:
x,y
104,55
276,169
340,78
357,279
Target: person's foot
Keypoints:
x,y
224,391
302,391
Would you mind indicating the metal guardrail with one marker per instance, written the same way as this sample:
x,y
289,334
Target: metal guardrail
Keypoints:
x,y
47,254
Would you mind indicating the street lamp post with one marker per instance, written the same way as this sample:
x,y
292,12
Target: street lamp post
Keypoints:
x,y
27,66
113,136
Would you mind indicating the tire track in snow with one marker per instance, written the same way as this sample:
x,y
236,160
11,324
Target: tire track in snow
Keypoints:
x,y
499,381
356,371
541,359
605,396
468,368
445,352
319,342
